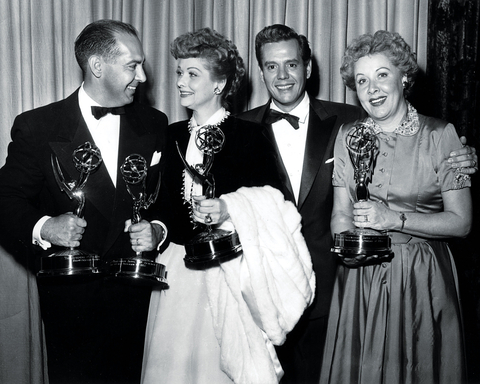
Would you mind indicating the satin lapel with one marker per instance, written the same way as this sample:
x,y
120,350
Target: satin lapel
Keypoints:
x,y
318,137
133,140
282,171
99,188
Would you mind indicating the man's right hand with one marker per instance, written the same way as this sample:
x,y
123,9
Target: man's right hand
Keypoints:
x,y
65,230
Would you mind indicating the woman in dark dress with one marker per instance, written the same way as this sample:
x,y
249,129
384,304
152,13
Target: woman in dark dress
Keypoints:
x,y
184,342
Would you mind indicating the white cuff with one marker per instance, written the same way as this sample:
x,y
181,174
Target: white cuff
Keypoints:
x,y
165,232
36,237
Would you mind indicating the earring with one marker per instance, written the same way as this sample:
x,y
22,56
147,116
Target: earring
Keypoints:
x,y
217,91
405,83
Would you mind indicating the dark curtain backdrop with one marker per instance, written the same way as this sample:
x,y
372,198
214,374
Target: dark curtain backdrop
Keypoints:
x,y
452,91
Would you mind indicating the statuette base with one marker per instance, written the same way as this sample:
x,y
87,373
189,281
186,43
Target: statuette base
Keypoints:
x,y
69,262
358,242
139,271
213,245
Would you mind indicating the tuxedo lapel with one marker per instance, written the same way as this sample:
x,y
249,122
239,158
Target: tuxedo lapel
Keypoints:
x,y
73,132
260,119
133,140
318,137
282,171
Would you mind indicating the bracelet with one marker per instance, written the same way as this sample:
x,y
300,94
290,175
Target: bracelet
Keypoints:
x,y
403,218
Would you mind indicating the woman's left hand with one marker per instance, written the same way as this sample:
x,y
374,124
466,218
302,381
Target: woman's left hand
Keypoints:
x,y
372,214
465,158
209,211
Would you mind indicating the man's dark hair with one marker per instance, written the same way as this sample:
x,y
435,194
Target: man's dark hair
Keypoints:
x,y
279,32
99,38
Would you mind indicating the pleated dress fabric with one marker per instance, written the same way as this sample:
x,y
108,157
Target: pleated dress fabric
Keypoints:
x,y
399,321
181,346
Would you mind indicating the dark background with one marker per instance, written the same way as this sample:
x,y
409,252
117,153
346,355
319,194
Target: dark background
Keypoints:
x,y
450,89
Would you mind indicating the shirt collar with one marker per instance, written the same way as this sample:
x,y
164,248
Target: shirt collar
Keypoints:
x,y
86,102
218,116
216,119
301,110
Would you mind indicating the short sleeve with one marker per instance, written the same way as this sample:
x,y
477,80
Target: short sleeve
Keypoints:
x,y
449,178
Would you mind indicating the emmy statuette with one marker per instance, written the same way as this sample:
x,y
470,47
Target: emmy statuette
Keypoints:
x,y
73,261
138,269
361,143
213,243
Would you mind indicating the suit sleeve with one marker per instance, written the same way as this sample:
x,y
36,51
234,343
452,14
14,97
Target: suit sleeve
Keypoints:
x,y
21,181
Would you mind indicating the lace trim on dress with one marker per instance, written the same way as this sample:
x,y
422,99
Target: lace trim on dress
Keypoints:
x,y
192,123
408,127
461,179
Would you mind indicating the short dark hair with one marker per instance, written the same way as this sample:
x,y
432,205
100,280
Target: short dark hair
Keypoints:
x,y
390,44
99,38
279,32
221,55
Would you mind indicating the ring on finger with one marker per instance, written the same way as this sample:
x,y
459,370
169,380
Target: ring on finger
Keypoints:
x,y
138,241
208,218
474,163
366,218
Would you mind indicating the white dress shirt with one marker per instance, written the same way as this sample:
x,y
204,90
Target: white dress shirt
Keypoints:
x,y
106,135
105,132
291,141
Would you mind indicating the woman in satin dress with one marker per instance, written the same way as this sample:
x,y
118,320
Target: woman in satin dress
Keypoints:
x,y
397,320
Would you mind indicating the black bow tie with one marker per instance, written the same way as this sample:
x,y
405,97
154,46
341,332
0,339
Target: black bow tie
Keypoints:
x,y
274,116
99,112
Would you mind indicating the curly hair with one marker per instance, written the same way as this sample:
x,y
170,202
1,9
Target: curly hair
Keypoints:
x,y
221,56
99,38
390,44
279,32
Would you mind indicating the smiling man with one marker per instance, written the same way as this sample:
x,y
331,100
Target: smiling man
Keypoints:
x,y
305,163
94,329
303,131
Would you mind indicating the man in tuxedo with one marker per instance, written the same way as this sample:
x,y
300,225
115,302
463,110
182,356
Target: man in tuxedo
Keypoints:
x,y
303,132
94,327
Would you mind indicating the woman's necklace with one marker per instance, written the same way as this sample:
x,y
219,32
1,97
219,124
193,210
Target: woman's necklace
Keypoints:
x,y
192,124
199,167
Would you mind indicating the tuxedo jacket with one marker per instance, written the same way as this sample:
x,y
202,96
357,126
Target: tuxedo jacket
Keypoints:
x,y
316,192
28,189
247,159
94,328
